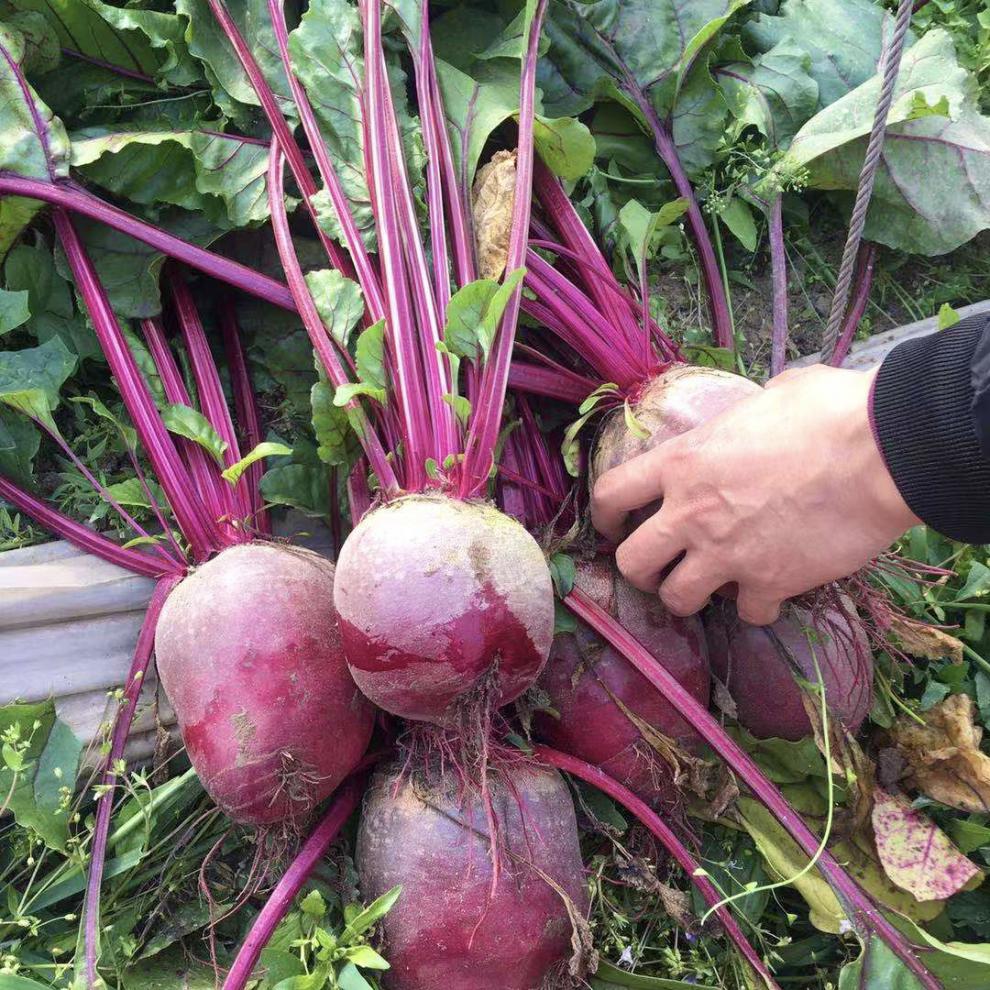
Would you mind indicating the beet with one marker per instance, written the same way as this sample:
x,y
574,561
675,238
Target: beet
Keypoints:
x,y
683,397
753,663
589,683
249,654
440,601
449,930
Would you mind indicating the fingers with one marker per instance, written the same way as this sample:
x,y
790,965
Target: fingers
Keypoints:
x,y
629,486
757,609
690,585
645,554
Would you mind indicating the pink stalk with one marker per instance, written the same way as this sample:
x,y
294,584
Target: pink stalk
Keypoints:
x,y
213,403
72,197
483,435
118,739
778,265
664,142
358,494
864,916
367,276
314,325
155,507
281,898
668,839
246,406
61,525
438,382
196,526
206,478
280,128
860,300
560,210
549,379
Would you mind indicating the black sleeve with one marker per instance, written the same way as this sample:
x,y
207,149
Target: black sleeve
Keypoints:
x,y
931,419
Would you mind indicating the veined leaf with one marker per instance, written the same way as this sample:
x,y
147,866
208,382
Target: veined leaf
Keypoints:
x,y
264,449
193,425
221,174
345,393
337,444
338,300
14,310
474,312
30,379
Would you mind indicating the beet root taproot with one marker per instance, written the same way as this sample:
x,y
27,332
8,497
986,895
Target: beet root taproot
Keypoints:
x,y
441,601
249,654
757,664
450,930
604,707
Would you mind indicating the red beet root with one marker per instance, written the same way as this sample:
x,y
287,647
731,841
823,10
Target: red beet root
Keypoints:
x,y
590,685
755,663
442,600
449,931
249,654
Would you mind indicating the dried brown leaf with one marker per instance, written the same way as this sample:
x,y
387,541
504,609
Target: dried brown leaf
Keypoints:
x,y
915,853
921,640
943,755
493,198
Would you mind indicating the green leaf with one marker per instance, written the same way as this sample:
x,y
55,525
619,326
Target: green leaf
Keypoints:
x,y
570,447
977,582
843,40
30,379
339,302
130,492
461,407
366,957
337,444
969,835
566,145
19,444
608,976
562,573
374,912
31,269
193,425
42,51
313,904
473,314
301,482
633,425
737,216
774,92
14,310
370,357
49,764
264,449
346,393
223,175
909,212
127,433
877,968
947,317
351,979
11,981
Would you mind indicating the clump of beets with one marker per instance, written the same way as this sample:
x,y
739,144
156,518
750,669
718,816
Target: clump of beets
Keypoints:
x,y
600,699
758,665
456,926
442,601
249,653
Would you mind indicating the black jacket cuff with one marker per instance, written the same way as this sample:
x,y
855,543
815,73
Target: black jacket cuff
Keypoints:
x,y
931,418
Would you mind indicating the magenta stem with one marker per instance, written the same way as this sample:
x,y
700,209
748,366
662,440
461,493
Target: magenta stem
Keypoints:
x,y
314,324
199,530
61,525
860,300
778,266
118,738
78,200
281,898
668,839
864,915
246,407
280,128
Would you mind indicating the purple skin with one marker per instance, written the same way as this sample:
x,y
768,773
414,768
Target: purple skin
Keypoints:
x,y
437,596
449,930
587,680
249,654
753,663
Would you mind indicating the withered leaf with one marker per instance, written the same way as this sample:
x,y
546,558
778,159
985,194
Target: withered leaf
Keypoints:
x,y
922,640
943,755
493,198
915,853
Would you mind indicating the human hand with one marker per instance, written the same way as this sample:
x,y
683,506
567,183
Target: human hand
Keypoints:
x,y
785,491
